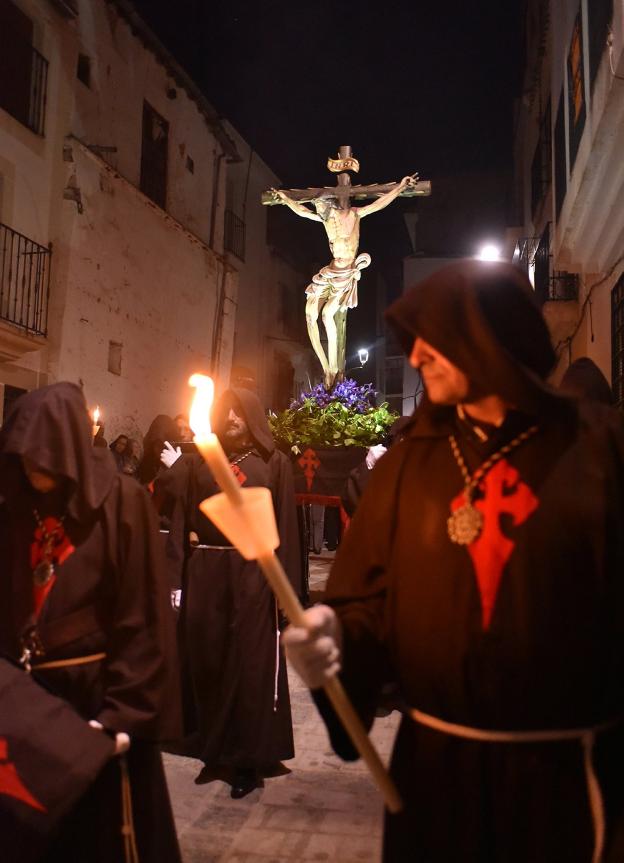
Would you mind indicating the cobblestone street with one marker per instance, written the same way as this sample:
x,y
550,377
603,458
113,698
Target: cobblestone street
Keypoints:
x,y
323,809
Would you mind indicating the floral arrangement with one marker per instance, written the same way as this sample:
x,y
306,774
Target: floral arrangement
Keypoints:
x,y
342,416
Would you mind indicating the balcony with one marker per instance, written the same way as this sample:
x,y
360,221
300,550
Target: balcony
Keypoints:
x,y
234,235
24,282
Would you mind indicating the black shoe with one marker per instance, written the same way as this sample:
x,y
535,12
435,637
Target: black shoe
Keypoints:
x,y
245,781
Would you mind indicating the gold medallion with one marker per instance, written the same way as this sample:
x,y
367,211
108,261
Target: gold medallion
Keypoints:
x,y
43,572
465,524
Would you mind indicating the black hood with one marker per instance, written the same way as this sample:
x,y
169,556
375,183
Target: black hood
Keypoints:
x,y
584,380
52,428
251,410
161,429
484,318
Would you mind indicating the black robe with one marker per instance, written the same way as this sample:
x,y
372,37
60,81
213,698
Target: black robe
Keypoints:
x,y
523,629
237,708
110,596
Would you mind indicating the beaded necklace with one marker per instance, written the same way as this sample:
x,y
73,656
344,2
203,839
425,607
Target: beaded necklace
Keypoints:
x,y
466,523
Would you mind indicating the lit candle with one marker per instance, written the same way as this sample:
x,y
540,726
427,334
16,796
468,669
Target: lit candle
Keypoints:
x,y
96,420
247,519
207,442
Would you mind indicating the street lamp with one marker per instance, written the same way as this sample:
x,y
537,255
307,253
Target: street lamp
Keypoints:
x,y
363,356
489,252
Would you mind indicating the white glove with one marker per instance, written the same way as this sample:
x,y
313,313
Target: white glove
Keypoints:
x,y
169,455
314,652
374,454
176,598
122,740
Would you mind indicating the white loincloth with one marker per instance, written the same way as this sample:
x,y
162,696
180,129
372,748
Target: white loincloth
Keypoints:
x,y
331,282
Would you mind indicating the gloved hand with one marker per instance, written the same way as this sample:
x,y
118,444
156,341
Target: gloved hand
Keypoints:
x,y
176,599
314,652
374,454
169,455
122,740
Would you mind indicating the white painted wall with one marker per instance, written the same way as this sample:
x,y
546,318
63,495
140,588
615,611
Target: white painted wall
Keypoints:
x,y
123,270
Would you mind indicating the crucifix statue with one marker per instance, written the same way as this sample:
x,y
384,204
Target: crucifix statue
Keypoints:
x,y
333,290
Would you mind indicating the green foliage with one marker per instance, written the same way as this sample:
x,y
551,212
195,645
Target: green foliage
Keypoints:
x,y
334,425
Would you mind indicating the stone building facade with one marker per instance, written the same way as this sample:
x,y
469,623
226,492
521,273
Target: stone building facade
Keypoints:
x,y
112,201
570,179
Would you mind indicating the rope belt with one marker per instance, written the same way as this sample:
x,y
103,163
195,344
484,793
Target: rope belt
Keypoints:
x,y
67,663
586,737
131,853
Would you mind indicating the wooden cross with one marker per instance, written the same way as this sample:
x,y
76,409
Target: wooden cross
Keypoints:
x,y
343,190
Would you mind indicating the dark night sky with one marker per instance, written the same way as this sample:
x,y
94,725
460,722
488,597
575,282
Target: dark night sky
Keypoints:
x,y
410,85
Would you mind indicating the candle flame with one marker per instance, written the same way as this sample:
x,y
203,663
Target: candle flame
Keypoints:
x,y
199,419
96,415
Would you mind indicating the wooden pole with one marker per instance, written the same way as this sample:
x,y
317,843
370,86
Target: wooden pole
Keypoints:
x,y
334,689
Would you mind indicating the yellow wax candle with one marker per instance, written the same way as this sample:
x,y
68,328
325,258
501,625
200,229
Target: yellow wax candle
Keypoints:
x,y
215,458
207,442
96,420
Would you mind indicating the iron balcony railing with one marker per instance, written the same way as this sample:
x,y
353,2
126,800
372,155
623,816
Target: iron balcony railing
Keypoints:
x,y
24,281
234,235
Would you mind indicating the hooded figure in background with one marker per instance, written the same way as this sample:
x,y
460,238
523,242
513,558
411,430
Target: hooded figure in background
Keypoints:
x,y
86,605
237,707
163,428
482,572
584,380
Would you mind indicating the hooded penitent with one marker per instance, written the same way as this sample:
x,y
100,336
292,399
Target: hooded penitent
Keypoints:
x,y
51,427
483,317
83,588
162,429
517,626
584,379
237,706
247,405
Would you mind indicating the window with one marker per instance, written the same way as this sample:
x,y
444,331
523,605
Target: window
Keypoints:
x,y
23,71
234,235
599,15
561,170
83,70
617,342
541,168
576,90
154,156
114,357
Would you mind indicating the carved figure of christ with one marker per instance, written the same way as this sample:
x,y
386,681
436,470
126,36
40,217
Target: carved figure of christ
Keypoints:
x,y
333,291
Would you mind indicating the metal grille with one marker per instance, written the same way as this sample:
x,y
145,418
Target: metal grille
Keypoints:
x,y
541,262
24,281
234,237
564,286
617,342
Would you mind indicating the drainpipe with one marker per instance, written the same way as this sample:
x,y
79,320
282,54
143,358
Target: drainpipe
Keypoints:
x,y
216,176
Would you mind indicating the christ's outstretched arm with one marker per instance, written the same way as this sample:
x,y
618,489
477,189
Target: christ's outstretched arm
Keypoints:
x,y
386,199
295,206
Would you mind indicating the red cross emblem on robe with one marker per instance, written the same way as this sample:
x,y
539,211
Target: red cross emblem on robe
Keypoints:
x,y
309,463
10,783
238,473
61,550
504,493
